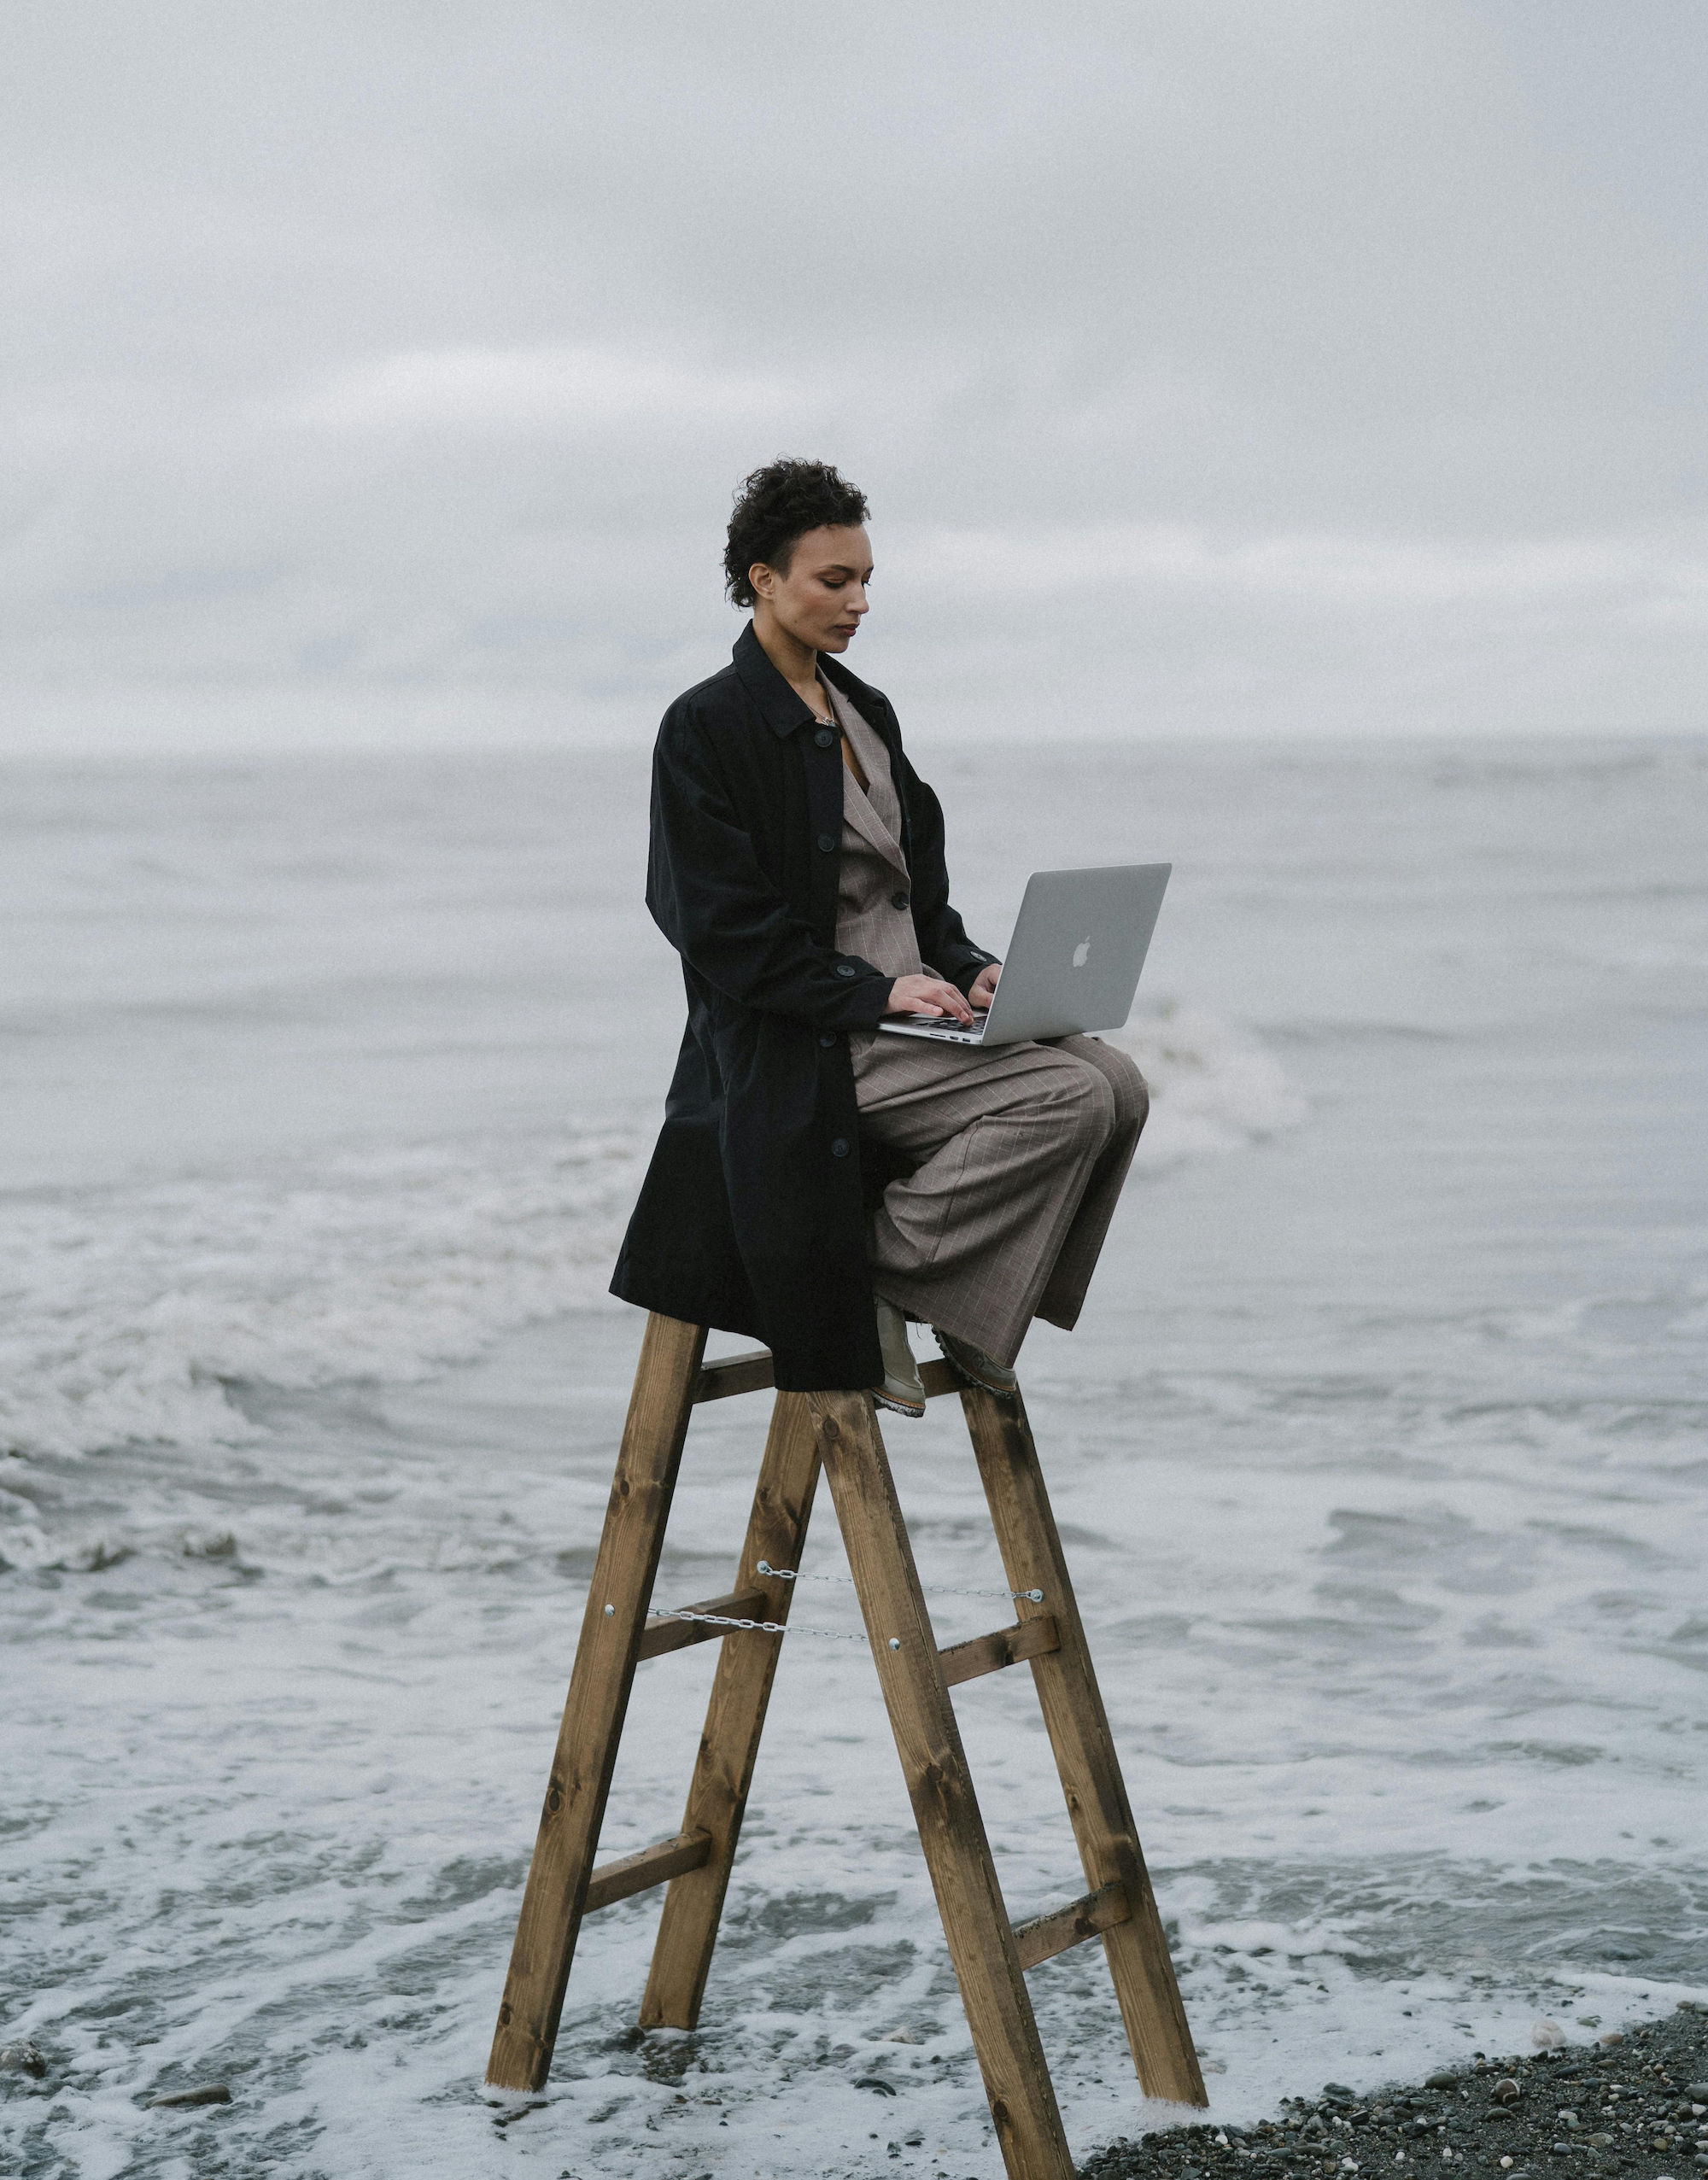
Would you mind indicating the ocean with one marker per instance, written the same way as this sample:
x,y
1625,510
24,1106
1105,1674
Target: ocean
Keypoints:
x,y
1380,1456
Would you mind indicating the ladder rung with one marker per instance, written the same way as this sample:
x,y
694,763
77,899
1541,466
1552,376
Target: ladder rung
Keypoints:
x,y
1045,1936
939,1378
688,1851
983,1654
664,1635
753,1372
748,1373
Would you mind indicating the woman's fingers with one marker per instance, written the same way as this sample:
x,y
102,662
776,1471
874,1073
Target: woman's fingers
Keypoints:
x,y
948,1001
927,995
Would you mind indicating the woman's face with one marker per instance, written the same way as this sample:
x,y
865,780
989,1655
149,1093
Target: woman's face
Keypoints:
x,y
821,599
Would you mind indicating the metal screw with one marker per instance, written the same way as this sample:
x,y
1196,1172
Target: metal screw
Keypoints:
x,y
895,1642
611,1612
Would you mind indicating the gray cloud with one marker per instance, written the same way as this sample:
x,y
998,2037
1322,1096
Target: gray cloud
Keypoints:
x,y
383,375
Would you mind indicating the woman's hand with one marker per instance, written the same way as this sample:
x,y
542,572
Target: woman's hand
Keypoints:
x,y
927,995
984,985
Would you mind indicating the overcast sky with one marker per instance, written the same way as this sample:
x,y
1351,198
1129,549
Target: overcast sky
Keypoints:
x,y
381,374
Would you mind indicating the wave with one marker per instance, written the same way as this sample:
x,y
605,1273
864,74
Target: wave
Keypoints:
x,y
133,1312
1213,1087
134,1309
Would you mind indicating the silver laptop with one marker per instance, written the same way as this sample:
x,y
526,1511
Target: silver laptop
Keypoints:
x,y
1078,945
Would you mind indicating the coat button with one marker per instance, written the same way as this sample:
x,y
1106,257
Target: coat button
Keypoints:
x,y
827,841
825,737
899,900
838,1147
827,1037
846,970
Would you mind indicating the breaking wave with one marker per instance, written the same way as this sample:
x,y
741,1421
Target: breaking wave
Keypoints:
x,y
1213,1087
131,1310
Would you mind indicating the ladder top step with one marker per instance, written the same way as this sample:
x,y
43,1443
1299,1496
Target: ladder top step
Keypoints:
x,y
754,1372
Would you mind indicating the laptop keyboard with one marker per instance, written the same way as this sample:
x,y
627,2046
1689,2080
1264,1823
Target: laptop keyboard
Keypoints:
x,y
944,1023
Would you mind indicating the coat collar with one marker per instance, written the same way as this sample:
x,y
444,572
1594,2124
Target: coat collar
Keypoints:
x,y
783,710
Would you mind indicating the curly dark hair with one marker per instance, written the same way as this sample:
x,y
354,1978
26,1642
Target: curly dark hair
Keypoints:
x,y
775,506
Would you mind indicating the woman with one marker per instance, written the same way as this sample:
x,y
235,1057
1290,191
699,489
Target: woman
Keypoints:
x,y
817,1183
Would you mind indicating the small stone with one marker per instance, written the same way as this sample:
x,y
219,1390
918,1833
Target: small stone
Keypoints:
x,y
1598,2141
23,2057
1548,2036
1505,2165
215,2093
872,2081
1589,2020
1442,2081
1614,2036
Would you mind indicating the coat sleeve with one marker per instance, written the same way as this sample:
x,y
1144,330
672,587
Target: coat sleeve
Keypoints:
x,y
714,902
943,938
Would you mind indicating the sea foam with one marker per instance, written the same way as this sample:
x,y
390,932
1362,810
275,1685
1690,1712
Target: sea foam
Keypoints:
x,y
132,1310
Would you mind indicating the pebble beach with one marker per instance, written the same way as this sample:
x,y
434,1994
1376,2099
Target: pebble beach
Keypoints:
x,y
1632,2102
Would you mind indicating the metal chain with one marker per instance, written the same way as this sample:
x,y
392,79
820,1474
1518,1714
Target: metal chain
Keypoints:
x,y
754,1627
944,1589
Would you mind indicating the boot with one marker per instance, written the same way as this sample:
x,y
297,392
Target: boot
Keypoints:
x,y
974,1366
903,1391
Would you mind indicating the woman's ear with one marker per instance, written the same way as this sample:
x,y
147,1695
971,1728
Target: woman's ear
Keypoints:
x,y
761,579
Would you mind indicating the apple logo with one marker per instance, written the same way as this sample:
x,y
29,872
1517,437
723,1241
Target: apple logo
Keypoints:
x,y
1082,952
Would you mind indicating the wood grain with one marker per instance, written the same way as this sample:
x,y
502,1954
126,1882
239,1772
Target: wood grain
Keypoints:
x,y
663,1636
734,1719
555,1898
981,1945
621,1880
731,1374
1043,1937
982,1654
1079,1728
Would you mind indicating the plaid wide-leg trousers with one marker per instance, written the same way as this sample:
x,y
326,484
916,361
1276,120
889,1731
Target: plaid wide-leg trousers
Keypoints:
x,y
1022,1154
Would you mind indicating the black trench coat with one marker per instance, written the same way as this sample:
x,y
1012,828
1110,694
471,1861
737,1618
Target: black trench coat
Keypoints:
x,y
751,1216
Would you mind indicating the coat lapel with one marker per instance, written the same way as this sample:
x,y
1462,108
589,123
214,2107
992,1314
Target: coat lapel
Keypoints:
x,y
859,811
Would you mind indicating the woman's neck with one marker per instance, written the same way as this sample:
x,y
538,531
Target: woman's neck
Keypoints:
x,y
795,661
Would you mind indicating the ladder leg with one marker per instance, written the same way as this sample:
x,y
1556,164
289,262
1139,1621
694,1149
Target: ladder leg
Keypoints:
x,y
957,1854
611,1628
1079,1728
734,1719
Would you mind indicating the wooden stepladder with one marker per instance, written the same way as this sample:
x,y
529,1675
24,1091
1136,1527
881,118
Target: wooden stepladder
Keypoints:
x,y
839,1432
